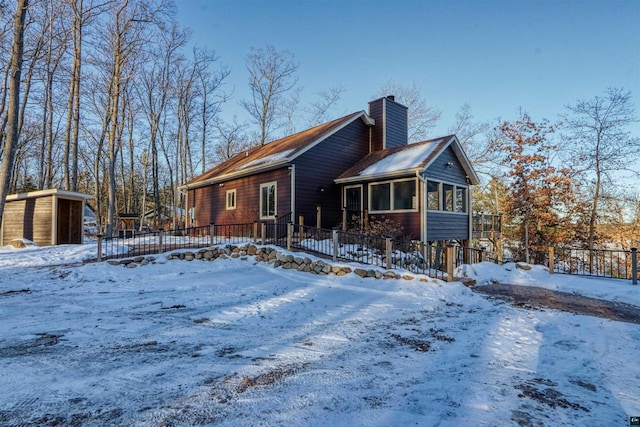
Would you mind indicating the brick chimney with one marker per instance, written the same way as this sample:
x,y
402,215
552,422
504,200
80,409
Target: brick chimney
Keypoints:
x,y
392,122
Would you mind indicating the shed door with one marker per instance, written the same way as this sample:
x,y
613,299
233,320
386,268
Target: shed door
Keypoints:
x,y
70,221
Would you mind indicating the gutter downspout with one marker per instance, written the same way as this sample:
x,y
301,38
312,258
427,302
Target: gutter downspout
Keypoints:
x,y
423,208
292,170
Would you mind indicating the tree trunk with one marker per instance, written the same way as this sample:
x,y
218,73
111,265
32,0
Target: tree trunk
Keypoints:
x,y
11,140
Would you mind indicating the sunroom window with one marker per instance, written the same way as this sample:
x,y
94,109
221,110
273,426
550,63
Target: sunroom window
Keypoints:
x,y
381,197
433,196
393,196
446,197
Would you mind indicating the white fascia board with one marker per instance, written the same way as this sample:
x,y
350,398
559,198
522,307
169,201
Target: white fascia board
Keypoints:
x,y
378,177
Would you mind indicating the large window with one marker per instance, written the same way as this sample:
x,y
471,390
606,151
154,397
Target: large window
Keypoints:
x,y
446,197
231,199
380,195
392,196
461,199
433,196
268,200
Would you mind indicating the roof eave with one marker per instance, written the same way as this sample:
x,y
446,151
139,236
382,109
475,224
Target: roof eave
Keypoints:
x,y
234,175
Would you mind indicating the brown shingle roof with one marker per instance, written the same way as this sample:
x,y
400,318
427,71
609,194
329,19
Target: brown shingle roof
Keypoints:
x,y
279,150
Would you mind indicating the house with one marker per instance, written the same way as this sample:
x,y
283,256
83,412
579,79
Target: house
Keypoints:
x,y
359,165
46,217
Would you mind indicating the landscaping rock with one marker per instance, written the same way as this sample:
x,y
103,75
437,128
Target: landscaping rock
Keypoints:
x,y
360,272
523,266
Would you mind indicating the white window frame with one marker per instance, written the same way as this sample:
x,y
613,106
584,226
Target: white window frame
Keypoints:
x,y
391,196
441,200
275,199
235,201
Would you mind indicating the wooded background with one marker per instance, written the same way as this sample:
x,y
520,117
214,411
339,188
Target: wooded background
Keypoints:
x,y
109,98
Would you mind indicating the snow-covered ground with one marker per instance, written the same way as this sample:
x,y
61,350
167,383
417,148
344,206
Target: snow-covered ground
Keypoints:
x,y
234,342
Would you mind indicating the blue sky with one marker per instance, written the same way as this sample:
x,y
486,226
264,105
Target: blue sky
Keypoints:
x,y
497,56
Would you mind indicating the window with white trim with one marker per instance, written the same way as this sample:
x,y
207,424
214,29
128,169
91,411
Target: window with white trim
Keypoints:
x,y
268,205
231,199
446,197
393,196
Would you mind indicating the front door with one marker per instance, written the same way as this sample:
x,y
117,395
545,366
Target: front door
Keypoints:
x,y
353,205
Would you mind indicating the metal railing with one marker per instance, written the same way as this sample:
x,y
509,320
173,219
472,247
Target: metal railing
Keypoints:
x,y
616,264
159,241
414,256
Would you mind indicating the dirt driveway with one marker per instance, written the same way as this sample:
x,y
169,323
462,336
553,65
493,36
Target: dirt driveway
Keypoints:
x,y
535,298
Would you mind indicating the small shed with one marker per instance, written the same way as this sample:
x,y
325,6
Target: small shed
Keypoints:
x,y
46,217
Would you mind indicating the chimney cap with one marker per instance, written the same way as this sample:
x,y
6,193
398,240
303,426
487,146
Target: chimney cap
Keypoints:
x,y
391,97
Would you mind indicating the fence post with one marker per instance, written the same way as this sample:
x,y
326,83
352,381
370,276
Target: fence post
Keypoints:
x,y
289,234
634,266
450,261
212,233
388,249
318,216
255,232
334,235
301,230
160,233
99,257
551,260
263,233
483,254
344,219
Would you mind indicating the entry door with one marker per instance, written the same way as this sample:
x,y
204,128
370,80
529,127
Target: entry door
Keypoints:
x,y
353,204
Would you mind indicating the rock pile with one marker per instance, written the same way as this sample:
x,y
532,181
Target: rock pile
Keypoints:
x,y
267,255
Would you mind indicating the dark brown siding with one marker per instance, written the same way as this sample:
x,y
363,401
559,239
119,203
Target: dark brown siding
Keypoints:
x,y
317,168
29,219
210,201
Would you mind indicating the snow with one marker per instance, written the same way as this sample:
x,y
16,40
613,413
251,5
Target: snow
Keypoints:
x,y
235,342
275,157
408,158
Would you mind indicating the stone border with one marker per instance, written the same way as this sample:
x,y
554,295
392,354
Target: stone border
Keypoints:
x,y
270,256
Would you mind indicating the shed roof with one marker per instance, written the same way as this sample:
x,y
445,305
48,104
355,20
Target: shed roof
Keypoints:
x,y
49,192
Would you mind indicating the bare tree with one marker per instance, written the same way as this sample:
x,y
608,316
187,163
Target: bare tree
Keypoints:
x,y
478,140
232,139
598,143
211,93
272,75
11,140
81,16
319,109
422,117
